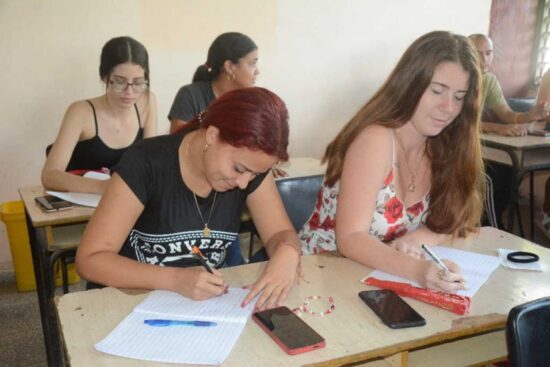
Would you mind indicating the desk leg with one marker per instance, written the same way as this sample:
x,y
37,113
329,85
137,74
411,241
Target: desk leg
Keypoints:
x,y
45,292
513,203
532,205
398,360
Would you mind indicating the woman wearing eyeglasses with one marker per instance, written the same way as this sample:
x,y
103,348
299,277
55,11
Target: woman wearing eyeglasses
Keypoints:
x,y
95,132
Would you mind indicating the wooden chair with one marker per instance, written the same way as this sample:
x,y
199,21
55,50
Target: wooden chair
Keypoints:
x,y
63,241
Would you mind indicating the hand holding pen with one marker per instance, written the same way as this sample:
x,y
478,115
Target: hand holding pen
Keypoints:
x,y
442,275
198,282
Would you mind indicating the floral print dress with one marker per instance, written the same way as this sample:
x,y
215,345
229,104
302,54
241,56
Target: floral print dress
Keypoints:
x,y
390,220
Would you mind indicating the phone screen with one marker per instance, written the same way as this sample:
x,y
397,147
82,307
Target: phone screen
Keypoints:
x,y
392,309
288,330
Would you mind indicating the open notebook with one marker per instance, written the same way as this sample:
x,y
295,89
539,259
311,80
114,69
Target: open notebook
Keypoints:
x,y
476,268
132,338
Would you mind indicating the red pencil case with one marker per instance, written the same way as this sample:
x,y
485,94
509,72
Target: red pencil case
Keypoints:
x,y
448,301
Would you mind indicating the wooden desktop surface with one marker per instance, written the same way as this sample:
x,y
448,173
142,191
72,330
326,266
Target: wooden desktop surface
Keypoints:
x,y
529,150
295,167
40,218
353,333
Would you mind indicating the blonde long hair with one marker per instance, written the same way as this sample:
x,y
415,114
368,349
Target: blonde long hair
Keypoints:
x,y
457,181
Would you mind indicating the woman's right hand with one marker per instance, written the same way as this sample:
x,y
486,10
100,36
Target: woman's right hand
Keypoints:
x,y
441,280
198,284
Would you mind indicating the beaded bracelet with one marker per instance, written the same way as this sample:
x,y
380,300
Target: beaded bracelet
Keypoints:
x,y
304,308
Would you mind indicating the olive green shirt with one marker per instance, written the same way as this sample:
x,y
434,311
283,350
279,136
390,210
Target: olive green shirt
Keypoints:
x,y
492,92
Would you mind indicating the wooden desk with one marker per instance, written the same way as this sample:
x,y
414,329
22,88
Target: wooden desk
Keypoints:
x,y
525,154
38,222
353,333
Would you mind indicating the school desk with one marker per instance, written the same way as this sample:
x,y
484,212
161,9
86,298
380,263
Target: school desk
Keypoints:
x,y
67,235
526,155
353,333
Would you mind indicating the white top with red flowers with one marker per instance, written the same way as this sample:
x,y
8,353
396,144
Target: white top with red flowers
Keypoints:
x,y
390,219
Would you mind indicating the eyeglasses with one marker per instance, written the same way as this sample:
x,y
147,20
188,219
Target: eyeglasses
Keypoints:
x,y
138,86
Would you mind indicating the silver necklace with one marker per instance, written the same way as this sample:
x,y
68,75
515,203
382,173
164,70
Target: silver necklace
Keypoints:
x,y
412,185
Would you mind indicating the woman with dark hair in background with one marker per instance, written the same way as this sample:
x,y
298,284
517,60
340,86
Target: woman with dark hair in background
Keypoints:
x,y
189,188
95,132
231,64
407,169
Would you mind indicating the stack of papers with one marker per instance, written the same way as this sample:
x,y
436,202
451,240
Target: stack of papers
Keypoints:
x,y
210,345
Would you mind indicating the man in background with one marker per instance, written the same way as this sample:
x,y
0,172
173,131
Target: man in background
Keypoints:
x,y
493,99
510,123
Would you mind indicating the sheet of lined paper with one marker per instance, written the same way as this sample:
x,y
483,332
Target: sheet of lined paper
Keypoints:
x,y
132,338
476,268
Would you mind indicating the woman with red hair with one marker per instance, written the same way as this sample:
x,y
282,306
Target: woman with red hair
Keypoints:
x,y
173,192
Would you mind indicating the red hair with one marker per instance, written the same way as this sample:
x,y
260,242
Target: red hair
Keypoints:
x,y
254,118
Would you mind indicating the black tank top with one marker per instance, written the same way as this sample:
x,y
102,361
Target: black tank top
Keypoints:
x,y
94,154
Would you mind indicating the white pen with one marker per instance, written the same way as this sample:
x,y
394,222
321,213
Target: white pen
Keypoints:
x,y
437,260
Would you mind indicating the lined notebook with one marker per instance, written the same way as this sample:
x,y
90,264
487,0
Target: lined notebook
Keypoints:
x,y
132,338
476,268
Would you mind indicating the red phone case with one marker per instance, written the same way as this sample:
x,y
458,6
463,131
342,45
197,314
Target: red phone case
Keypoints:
x,y
288,350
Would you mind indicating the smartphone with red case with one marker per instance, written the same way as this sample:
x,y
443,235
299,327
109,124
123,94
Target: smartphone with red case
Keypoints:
x,y
289,331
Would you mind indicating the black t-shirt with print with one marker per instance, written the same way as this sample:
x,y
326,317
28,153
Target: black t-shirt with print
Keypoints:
x,y
170,222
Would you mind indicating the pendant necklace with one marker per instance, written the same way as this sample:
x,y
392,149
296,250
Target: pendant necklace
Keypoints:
x,y
206,230
412,185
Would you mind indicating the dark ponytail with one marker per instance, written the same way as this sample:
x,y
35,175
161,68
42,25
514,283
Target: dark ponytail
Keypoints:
x,y
227,46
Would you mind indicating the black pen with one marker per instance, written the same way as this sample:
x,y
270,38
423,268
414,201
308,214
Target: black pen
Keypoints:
x,y
198,255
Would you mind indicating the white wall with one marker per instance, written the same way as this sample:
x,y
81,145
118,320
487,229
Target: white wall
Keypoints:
x,y
323,57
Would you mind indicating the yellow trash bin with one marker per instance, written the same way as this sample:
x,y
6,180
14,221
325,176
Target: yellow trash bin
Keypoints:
x,y
12,214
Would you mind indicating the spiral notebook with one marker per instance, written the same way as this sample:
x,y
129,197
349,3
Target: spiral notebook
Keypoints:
x,y
132,338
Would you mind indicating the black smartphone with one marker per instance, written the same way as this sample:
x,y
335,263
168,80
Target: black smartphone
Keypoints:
x,y
49,203
289,331
392,309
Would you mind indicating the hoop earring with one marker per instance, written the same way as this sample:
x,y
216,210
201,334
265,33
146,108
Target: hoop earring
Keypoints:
x,y
205,147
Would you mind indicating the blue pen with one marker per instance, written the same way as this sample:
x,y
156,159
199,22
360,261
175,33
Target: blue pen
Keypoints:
x,y
162,323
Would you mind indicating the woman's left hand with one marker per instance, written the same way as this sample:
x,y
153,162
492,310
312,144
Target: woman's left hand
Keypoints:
x,y
276,280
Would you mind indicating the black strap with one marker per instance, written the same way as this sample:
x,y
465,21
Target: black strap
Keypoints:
x,y
522,257
95,117
137,113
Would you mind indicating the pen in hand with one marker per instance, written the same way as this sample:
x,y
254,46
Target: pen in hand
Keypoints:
x,y
437,260
198,255
440,264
